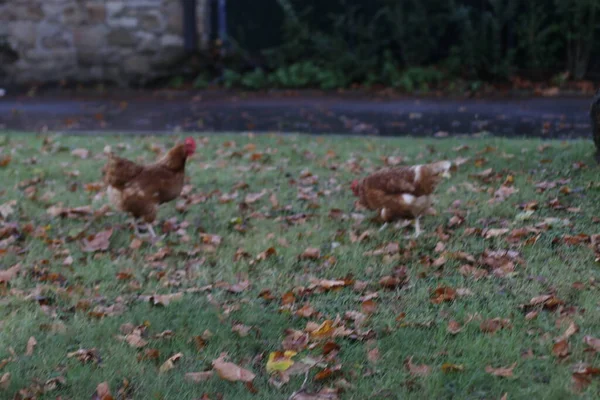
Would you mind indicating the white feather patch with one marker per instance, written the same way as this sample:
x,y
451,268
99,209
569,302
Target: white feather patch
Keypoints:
x,y
418,172
408,198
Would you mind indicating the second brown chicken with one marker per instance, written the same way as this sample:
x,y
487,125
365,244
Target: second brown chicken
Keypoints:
x,y
402,193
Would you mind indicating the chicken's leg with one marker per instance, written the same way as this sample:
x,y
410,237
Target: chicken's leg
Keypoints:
x,y
150,230
417,227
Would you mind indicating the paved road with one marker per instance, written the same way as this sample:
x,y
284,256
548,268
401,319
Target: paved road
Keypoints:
x,y
157,112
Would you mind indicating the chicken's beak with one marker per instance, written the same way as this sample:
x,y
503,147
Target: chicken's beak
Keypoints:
x,y
446,174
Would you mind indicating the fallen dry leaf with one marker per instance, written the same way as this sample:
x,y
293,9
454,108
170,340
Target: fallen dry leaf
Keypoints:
x,y
593,342
504,372
198,377
310,253
164,299
493,325
81,153
170,363
417,370
373,355
8,274
102,392
448,367
98,242
454,327
571,330
280,361
442,294
5,381
231,372
560,349
323,394
241,330
31,343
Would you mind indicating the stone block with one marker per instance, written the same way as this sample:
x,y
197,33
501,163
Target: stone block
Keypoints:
x,y
58,41
96,13
152,21
173,13
123,22
148,43
171,41
136,65
122,37
74,14
114,8
23,33
90,37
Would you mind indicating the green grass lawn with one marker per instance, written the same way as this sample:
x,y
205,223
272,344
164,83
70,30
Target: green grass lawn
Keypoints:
x,y
236,296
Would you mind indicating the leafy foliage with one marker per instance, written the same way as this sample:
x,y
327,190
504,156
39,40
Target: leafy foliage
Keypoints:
x,y
338,43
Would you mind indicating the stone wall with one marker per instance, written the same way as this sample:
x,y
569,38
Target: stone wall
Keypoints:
x,y
92,40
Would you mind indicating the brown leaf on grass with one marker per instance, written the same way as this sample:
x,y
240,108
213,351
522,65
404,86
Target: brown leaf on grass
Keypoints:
x,y
373,355
580,382
582,374
238,287
5,381
329,284
266,254
86,356
319,331
492,233
368,306
102,392
98,242
417,370
323,394
571,330
135,244
311,253
241,329
8,274
5,160
81,153
504,372
388,249
548,301
231,372
31,343
164,299
560,349
493,325
454,327
593,342
170,363
306,311
254,197
198,377
503,193
149,355
135,339
442,294
531,315
448,367
390,282
295,340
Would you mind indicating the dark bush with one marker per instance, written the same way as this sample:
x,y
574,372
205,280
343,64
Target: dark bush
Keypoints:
x,y
337,43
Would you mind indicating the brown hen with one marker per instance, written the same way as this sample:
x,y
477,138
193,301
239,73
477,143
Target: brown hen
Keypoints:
x,y
140,189
402,193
